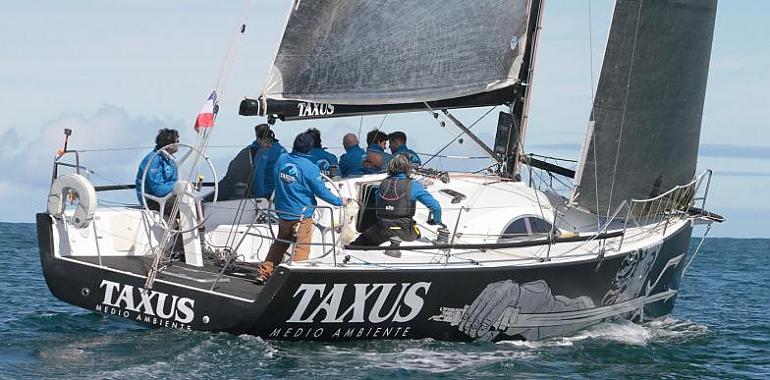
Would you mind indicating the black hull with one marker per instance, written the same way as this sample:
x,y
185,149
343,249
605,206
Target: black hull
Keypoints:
x,y
484,303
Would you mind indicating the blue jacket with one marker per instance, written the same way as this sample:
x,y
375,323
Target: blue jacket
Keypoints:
x,y
421,195
413,157
297,183
161,176
351,162
385,159
264,161
323,159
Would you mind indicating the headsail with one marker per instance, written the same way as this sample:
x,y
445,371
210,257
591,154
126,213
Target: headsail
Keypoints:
x,y
351,54
647,112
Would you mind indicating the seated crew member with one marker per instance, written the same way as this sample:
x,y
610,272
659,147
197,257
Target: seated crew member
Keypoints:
x,y
351,162
397,142
396,201
240,172
376,160
264,162
162,173
326,161
297,183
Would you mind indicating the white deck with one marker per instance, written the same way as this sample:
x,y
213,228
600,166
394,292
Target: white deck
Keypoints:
x,y
490,204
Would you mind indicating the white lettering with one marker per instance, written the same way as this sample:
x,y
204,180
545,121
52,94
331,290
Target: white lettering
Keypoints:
x,y
401,307
413,301
308,292
160,308
330,304
374,315
314,109
185,307
151,303
358,304
145,303
110,288
126,297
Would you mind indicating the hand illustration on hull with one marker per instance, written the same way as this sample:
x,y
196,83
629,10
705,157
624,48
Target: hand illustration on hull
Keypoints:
x,y
513,309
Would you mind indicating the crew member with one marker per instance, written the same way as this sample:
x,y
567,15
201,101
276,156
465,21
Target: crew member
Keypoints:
x,y
264,161
162,173
351,162
326,161
376,160
397,142
396,198
297,183
251,168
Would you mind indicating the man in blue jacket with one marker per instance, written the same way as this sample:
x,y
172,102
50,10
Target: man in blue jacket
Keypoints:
x,y
161,174
351,162
326,161
264,161
397,142
396,202
297,182
376,160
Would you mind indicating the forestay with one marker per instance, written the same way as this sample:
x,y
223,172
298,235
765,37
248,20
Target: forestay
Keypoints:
x,y
649,102
376,52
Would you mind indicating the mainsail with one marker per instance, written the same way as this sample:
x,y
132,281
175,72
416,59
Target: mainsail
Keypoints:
x,y
395,55
646,117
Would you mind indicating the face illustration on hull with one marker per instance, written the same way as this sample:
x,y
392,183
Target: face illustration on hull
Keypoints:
x,y
631,277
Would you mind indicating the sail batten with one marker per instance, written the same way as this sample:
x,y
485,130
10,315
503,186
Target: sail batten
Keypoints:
x,y
646,118
392,52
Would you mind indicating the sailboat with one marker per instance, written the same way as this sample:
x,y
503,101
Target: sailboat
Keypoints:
x,y
517,260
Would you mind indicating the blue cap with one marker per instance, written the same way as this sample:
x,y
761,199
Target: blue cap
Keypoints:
x,y
303,143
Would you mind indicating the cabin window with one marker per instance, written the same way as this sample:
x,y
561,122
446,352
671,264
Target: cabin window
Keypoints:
x,y
526,226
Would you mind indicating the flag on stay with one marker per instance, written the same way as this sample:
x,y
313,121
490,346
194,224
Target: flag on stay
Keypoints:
x,y
205,118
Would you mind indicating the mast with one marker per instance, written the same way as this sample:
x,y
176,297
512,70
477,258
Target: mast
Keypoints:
x,y
520,105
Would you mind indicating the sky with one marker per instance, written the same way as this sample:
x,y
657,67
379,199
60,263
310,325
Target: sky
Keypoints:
x,y
115,72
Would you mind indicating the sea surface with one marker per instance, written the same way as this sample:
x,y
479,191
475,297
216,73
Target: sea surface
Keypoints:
x,y
720,329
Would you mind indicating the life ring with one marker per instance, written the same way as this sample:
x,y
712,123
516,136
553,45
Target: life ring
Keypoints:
x,y
85,191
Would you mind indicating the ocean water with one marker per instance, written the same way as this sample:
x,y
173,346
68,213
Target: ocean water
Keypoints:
x,y
720,328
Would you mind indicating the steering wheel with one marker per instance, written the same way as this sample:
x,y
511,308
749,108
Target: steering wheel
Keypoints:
x,y
181,186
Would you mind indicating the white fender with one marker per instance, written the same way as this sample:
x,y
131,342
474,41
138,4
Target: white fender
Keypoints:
x,y
84,213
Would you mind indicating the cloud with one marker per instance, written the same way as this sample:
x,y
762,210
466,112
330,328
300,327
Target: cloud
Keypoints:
x,y
735,151
563,147
9,142
25,183
729,173
706,150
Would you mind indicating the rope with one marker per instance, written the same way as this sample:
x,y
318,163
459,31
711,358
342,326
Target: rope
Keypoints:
x,y
227,62
703,238
593,129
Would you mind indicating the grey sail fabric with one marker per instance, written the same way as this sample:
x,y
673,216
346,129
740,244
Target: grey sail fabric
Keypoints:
x,y
649,102
361,52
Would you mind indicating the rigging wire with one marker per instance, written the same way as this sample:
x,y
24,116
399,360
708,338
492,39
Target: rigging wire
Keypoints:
x,y
203,136
458,136
360,127
593,125
625,105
